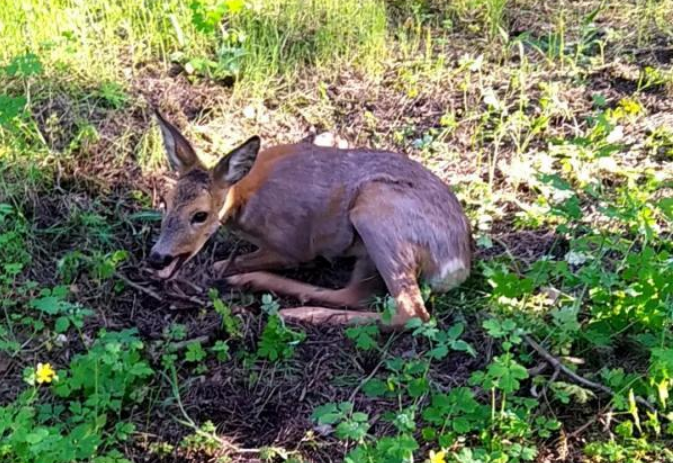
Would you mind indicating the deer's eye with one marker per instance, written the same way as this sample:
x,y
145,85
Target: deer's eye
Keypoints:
x,y
200,217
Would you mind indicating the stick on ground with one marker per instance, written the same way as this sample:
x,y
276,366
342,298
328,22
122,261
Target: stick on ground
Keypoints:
x,y
557,364
143,289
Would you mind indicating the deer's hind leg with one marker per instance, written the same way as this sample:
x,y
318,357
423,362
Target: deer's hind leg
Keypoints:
x,y
361,287
345,297
364,283
325,315
396,258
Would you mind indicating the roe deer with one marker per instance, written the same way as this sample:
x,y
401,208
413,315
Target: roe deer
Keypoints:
x,y
299,201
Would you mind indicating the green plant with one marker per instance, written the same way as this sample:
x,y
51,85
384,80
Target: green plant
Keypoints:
x,y
442,342
195,352
277,341
13,253
213,19
229,323
113,94
404,378
53,303
455,413
391,448
495,14
82,418
15,110
222,350
503,373
351,425
364,336
202,440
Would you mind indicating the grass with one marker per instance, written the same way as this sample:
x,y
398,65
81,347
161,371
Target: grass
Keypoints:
x,y
257,42
75,36
552,127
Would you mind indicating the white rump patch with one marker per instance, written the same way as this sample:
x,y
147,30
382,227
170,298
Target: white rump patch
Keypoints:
x,y
452,273
451,267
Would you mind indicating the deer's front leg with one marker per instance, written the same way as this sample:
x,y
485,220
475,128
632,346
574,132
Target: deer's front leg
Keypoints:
x,y
261,259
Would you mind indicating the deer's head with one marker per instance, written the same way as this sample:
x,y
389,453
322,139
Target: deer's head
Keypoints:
x,y
198,203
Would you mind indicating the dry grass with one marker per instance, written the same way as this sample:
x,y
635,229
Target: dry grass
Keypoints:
x,y
432,96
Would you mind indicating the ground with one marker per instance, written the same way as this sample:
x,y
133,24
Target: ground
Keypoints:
x,y
553,124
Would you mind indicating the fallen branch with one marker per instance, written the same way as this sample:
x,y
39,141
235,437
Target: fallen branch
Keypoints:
x,y
194,299
558,365
363,382
136,286
229,260
597,416
143,289
178,293
154,295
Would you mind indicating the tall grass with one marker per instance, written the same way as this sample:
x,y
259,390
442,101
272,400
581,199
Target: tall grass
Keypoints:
x,y
93,38
286,34
103,39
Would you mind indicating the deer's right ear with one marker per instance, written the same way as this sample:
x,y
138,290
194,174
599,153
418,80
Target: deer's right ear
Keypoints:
x,y
178,150
238,163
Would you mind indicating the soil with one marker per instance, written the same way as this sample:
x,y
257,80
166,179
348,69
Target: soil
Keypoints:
x,y
264,404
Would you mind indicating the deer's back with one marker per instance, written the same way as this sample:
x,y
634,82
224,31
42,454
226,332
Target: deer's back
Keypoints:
x,y
298,199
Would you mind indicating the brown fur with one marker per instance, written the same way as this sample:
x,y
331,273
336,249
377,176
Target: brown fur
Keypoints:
x,y
301,201
244,189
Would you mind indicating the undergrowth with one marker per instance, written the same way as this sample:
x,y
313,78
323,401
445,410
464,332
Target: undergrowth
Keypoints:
x,y
562,338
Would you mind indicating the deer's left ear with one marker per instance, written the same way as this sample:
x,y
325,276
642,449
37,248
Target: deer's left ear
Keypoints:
x,y
238,162
179,152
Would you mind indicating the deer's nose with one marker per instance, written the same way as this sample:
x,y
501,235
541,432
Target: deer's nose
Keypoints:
x,y
159,261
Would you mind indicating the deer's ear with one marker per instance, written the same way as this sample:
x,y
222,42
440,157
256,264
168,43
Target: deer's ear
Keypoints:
x,y
237,163
179,152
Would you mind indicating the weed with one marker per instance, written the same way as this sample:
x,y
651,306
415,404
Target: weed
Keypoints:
x,y
81,417
551,127
364,336
203,441
53,303
277,341
194,352
442,342
222,350
230,324
351,425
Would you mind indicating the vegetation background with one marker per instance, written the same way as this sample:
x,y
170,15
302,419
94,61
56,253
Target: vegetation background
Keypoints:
x,y
551,120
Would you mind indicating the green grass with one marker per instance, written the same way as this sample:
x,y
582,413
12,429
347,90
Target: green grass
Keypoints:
x,y
96,40
556,139
284,36
99,40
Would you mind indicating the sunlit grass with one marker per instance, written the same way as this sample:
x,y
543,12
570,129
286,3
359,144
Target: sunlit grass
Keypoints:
x,y
563,165
95,39
283,35
99,40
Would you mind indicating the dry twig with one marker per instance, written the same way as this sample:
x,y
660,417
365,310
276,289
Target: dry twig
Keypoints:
x,y
558,365
143,289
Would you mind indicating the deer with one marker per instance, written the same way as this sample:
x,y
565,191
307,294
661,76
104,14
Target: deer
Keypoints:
x,y
298,202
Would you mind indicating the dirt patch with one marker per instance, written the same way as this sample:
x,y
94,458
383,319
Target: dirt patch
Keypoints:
x,y
251,405
271,405
93,207
178,98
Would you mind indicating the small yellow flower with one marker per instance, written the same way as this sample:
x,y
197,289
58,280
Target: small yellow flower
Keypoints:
x,y
437,457
44,373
